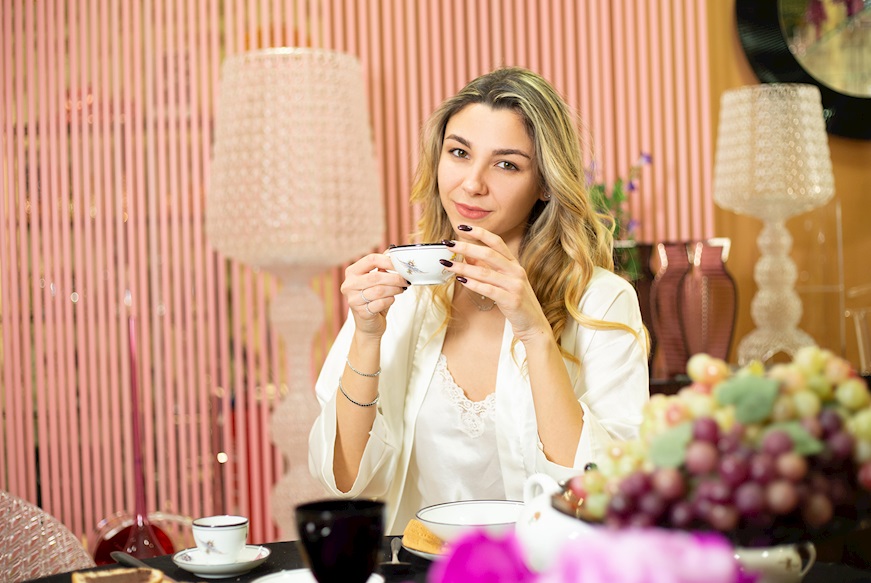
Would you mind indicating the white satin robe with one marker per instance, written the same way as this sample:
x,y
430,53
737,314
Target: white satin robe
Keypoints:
x,y
611,385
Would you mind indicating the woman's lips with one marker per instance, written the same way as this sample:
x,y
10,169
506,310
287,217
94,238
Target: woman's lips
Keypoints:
x,y
470,212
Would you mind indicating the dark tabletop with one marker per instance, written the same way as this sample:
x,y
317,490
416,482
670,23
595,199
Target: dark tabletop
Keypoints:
x,y
286,555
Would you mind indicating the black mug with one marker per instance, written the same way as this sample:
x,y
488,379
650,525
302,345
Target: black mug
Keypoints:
x,y
340,539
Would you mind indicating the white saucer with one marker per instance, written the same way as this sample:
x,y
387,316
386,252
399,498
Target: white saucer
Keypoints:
x,y
303,576
422,554
192,560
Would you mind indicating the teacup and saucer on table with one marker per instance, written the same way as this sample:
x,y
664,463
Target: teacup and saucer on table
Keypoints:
x,y
221,550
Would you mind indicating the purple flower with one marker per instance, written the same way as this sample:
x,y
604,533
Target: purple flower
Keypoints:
x,y
645,158
479,558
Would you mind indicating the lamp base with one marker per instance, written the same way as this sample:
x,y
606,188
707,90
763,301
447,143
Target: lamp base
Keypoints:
x,y
297,313
764,344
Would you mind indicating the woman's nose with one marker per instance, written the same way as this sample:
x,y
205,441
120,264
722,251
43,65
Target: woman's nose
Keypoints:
x,y
474,183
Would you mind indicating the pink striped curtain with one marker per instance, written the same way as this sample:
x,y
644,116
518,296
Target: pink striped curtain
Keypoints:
x,y
105,129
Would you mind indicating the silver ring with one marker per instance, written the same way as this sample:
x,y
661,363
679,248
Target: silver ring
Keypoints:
x,y
371,313
365,299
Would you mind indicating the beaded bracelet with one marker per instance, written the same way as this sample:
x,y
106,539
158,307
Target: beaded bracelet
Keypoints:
x,y
341,388
362,374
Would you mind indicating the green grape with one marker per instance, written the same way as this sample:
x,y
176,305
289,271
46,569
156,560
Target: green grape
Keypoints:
x,y
852,393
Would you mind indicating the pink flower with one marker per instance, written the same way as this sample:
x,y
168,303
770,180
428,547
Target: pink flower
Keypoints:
x,y
478,558
646,556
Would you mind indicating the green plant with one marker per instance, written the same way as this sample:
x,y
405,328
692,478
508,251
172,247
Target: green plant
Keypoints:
x,y
612,201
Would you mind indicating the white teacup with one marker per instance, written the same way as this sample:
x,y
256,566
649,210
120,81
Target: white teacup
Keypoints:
x,y
419,263
780,564
220,539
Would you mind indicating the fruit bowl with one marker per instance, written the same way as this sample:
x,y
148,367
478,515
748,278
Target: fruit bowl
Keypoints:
x,y
764,456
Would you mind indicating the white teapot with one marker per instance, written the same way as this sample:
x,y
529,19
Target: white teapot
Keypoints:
x,y
780,564
542,529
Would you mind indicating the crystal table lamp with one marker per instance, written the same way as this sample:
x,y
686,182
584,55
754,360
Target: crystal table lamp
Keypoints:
x,y
772,162
294,191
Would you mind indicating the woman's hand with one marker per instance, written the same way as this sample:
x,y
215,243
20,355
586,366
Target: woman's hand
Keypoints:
x,y
491,269
370,291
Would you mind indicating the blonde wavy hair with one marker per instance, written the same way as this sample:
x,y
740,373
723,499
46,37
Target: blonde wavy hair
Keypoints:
x,y
566,236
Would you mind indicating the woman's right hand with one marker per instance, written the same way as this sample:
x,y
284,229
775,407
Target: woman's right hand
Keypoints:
x,y
370,291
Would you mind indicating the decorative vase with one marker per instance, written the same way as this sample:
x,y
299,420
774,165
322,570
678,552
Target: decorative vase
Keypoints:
x,y
632,261
141,538
665,307
708,300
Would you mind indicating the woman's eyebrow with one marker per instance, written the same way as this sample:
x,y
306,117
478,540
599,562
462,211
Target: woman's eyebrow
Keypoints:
x,y
501,152
509,151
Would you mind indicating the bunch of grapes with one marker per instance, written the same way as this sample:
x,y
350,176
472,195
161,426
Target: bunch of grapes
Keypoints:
x,y
764,456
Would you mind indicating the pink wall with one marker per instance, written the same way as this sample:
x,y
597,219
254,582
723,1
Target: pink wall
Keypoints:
x,y
105,132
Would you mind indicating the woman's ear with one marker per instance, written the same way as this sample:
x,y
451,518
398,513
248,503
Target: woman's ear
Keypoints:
x,y
546,196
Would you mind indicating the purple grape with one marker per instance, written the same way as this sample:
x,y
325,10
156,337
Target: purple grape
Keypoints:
x,y
723,517
701,457
750,498
763,467
621,505
776,442
731,441
840,443
706,429
635,484
817,511
734,469
668,483
719,492
681,514
641,521
841,492
781,496
701,507
831,421
652,504
818,482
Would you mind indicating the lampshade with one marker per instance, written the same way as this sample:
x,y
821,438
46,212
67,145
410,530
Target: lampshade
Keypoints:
x,y
293,180
772,155
772,162
294,191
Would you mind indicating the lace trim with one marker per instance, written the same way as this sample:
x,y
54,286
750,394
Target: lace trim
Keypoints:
x,y
472,413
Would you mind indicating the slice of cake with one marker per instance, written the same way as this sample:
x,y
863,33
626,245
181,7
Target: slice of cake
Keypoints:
x,y
125,575
418,537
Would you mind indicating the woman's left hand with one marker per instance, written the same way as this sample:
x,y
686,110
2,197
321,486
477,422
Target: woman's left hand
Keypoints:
x,y
491,269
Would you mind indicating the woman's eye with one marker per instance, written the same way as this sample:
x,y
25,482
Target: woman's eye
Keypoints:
x,y
505,165
458,153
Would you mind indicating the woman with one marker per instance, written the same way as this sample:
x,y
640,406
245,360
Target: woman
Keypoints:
x,y
532,359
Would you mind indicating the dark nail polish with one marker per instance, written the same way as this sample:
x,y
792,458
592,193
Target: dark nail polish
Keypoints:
x,y
461,279
408,282
447,243
466,228
405,288
391,246
445,262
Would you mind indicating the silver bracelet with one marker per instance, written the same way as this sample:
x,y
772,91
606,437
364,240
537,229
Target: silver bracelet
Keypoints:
x,y
362,374
341,388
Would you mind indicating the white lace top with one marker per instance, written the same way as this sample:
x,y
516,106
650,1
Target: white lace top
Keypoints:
x,y
461,435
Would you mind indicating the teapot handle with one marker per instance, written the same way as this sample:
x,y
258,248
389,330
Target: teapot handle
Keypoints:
x,y
808,553
538,484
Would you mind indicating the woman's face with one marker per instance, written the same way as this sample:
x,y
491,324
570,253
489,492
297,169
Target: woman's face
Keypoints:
x,y
487,173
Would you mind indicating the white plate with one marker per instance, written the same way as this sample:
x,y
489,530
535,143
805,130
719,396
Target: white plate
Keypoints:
x,y
302,576
192,560
421,554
